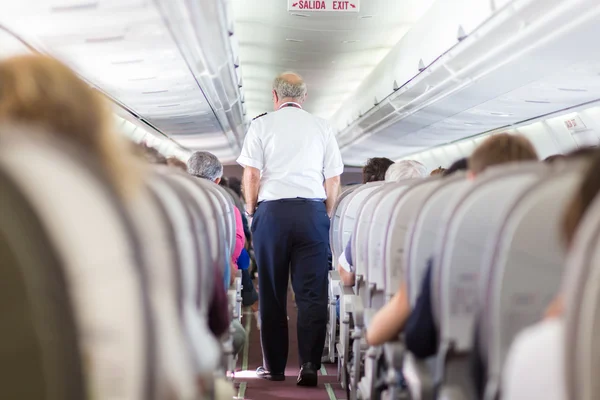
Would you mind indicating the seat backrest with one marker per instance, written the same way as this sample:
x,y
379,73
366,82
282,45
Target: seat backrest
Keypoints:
x,y
379,230
528,249
225,213
208,215
195,269
177,374
228,212
581,287
352,208
101,263
424,230
335,233
397,224
361,238
469,225
48,363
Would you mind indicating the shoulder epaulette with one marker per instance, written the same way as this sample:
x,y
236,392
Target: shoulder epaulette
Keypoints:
x,y
261,115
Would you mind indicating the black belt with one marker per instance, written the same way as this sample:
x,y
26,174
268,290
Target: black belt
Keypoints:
x,y
293,200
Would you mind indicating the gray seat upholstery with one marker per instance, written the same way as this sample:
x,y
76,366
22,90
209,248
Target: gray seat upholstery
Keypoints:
x,y
469,223
195,269
581,287
106,284
528,249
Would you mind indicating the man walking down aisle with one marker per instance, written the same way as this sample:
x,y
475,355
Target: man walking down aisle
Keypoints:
x,y
292,167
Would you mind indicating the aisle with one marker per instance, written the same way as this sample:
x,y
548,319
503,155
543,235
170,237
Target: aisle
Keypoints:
x,y
252,388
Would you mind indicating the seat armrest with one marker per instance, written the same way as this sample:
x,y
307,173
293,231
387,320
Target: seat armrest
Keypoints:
x,y
369,313
346,290
418,377
358,311
394,354
335,280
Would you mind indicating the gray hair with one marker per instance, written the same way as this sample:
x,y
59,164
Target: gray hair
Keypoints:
x,y
205,165
284,88
405,169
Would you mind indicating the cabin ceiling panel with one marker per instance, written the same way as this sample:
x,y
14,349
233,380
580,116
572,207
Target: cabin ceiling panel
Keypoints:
x,y
125,48
333,52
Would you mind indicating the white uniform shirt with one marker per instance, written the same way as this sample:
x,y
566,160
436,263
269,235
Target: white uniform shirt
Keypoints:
x,y
295,152
534,367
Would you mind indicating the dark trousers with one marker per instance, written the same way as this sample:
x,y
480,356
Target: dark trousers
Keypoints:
x,y
291,235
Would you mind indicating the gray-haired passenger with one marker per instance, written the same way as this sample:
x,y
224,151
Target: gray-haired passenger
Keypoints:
x,y
203,164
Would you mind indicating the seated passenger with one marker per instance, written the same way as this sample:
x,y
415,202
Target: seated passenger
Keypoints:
x,y
379,169
177,163
41,91
437,171
534,365
420,333
205,165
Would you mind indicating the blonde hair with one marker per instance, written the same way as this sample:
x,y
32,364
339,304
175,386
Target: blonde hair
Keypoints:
x,y
500,149
40,90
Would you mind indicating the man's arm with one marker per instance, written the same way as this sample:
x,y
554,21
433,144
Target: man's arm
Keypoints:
x,y
332,188
251,183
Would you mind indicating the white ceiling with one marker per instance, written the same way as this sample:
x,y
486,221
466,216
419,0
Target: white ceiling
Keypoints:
x,y
337,50
125,48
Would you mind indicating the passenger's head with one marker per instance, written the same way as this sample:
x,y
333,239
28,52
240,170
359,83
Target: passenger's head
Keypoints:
x,y
203,164
150,154
458,165
39,90
500,149
235,184
177,163
554,157
573,215
405,169
288,86
581,200
437,171
375,169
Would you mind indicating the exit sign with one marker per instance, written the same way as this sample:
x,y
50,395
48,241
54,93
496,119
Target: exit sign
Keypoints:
x,y
324,5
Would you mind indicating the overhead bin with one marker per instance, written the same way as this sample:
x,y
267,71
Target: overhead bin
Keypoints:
x,y
167,62
525,59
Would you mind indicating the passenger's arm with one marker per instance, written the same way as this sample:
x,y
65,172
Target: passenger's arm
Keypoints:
x,y
345,266
251,182
332,188
389,320
348,278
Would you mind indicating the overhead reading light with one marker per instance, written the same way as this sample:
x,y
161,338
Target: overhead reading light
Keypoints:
x,y
169,105
155,92
572,90
537,101
76,7
294,40
300,15
105,39
138,61
473,123
146,78
501,114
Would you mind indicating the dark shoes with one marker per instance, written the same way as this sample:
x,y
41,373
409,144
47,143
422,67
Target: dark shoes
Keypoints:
x,y
264,374
308,375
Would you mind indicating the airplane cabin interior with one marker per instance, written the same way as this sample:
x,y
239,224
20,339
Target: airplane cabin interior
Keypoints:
x,y
466,271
